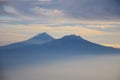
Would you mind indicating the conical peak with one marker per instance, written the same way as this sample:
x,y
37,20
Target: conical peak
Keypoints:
x,y
40,38
43,34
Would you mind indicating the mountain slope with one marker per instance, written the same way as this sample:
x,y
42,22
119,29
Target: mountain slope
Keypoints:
x,y
38,39
73,44
67,46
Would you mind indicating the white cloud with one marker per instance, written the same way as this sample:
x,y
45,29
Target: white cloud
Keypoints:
x,y
48,12
10,9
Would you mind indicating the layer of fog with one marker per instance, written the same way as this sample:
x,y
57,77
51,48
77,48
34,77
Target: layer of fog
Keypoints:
x,y
105,67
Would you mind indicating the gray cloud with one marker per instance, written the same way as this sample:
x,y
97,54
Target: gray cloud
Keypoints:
x,y
2,3
96,10
91,9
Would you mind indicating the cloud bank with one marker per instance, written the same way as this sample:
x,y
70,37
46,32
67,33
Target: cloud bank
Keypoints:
x,y
86,68
48,11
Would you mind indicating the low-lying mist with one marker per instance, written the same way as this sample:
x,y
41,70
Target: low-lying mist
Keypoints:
x,y
99,67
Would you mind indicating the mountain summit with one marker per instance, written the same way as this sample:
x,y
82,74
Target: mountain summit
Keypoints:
x,y
40,39
36,40
72,37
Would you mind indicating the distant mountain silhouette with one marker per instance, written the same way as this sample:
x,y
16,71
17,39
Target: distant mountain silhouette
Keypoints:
x,y
38,39
48,47
72,44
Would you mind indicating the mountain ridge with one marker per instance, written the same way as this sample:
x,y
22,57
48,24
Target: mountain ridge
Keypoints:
x,y
67,46
44,34
41,38
69,42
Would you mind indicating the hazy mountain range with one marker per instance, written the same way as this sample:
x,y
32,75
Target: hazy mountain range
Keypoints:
x,y
43,46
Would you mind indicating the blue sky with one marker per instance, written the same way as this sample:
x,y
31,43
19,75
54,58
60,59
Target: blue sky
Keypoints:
x,y
95,20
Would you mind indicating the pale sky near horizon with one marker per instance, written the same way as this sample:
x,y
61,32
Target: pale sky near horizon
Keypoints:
x,y
95,20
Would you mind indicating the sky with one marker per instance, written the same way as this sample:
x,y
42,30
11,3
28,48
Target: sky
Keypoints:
x,y
95,20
